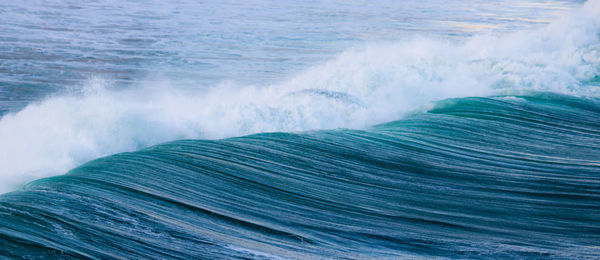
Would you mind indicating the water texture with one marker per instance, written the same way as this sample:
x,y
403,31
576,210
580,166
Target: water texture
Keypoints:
x,y
303,130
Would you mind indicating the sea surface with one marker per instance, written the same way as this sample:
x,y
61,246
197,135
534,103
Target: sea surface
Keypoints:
x,y
299,129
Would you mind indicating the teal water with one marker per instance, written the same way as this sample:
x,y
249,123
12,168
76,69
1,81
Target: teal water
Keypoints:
x,y
500,177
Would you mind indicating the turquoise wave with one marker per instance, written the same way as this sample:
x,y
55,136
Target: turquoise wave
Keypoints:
x,y
501,177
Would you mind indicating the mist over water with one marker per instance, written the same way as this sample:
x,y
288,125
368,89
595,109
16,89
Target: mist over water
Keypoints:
x,y
47,46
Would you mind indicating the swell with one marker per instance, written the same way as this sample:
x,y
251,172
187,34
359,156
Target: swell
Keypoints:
x,y
472,178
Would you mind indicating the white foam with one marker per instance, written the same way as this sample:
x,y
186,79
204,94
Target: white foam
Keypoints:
x,y
361,87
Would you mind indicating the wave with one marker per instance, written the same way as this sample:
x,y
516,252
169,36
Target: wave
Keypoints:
x,y
361,88
501,177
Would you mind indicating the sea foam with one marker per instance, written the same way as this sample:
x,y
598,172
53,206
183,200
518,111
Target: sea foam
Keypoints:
x,y
362,87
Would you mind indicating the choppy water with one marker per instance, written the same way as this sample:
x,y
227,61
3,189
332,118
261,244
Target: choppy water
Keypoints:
x,y
47,46
353,130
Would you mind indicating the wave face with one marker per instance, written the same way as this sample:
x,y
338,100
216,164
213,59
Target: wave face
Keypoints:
x,y
507,176
358,89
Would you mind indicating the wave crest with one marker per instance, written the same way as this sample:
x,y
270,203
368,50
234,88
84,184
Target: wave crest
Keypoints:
x,y
360,88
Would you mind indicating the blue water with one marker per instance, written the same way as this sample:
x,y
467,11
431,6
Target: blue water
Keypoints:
x,y
303,130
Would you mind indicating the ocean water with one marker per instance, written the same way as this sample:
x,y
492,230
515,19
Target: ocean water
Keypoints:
x,y
300,129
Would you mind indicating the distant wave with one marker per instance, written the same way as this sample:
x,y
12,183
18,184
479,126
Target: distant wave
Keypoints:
x,y
501,177
361,88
